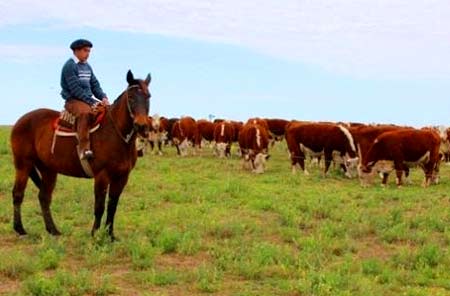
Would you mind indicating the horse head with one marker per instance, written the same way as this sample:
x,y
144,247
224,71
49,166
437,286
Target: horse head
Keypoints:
x,y
138,102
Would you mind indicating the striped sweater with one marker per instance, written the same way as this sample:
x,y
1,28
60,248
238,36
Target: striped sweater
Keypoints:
x,y
79,82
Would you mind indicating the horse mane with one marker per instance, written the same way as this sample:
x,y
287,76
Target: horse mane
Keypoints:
x,y
136,83
118,98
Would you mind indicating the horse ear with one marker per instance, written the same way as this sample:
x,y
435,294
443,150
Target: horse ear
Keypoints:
x,y
130,77
148,79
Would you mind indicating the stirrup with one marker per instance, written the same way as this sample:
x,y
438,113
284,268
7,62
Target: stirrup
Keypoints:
x,y
86,154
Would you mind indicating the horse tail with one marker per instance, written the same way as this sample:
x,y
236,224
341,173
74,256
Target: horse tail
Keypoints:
x,y
36,177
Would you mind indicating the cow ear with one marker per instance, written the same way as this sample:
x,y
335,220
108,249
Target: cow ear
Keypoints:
x,y
148,79
130,77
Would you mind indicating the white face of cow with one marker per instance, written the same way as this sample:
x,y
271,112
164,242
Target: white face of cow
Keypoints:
x,y
367,175
163,136
221,149
141,143
351,164
184,146
259,163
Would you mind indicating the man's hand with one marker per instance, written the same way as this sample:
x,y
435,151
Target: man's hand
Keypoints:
x,y
105,101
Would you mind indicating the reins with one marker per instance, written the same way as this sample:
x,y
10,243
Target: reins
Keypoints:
x,y
128,136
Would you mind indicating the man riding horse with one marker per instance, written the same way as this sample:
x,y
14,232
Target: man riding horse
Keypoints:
x,y
82,91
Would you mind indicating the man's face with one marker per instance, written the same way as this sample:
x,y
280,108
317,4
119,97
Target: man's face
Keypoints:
x,y
82,53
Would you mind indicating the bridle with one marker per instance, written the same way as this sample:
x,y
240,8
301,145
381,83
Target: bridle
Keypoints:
x,y
129,135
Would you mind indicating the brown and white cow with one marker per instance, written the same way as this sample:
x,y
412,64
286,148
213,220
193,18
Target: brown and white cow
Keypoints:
x,y
170,124
158,132
237,125
254,145
223,136
277,128
317,139
205,131
404,147
443,133
364,136
185,135
260,121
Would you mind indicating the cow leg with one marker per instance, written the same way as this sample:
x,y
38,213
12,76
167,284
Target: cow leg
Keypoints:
x,y
384,179
407,179
429,170
160,148
301,162
298,159
399,168
152,145
435,175
328,159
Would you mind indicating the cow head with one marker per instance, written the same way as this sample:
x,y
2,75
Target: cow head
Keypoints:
x,y
141,144
367,172
221,149
258,161
351,165
156,122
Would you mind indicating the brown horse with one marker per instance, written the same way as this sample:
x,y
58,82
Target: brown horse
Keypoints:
x,y
113,144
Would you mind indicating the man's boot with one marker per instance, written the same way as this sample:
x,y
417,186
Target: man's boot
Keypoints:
x,y
84,150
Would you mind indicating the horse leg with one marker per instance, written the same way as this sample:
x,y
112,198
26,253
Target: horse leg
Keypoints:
x,y
18,193
45,200
100,187
115,190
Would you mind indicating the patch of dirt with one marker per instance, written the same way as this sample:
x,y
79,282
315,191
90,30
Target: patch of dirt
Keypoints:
x,y
8,286
179,261
371,247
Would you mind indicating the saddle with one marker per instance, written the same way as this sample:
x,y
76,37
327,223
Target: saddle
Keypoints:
x,y
65,124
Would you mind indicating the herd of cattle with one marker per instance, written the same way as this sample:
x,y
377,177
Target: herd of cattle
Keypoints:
x,y
358,149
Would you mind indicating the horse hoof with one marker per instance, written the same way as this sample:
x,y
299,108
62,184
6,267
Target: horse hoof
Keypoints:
x,y
55,232
20,230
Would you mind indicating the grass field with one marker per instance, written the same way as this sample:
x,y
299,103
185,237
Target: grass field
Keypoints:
x,y
198,225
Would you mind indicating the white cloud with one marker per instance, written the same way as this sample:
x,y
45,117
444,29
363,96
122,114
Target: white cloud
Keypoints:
x,y
388,38
25,53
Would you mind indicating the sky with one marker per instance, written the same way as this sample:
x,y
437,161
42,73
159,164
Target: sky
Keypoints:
x,y
355,60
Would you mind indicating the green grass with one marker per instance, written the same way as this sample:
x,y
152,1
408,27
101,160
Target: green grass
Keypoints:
x,y
201,225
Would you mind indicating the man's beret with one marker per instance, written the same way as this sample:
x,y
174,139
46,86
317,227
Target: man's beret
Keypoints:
x,y
80,43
